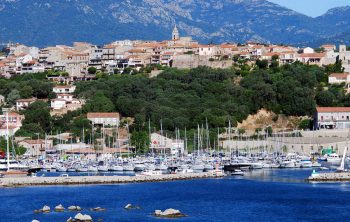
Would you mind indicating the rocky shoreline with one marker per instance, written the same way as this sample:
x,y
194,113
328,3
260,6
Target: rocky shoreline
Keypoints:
x,y
90,180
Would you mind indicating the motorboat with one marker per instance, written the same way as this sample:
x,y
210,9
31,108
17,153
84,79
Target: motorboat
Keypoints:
x,y
102,168
305,164
151,173
81,169
92,169
13,165
237,172
140,167
333,158
61,169
115,168
128,168
256,165
208,167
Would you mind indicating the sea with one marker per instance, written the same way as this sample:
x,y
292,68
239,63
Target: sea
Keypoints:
x,y
260,195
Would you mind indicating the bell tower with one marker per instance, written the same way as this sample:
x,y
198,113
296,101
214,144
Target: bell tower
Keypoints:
x,y
175,34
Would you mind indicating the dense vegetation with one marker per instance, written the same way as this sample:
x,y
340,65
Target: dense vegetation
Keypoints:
x,y
180,99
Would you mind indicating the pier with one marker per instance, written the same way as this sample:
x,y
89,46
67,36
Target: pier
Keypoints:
x,y
330,177
86,180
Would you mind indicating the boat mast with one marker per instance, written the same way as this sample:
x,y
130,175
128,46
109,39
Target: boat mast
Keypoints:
x,y
7,138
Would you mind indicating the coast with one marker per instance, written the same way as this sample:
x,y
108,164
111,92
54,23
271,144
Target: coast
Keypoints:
x,y
86,180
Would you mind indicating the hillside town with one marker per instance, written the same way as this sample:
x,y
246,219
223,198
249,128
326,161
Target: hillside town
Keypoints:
x,y
66,65
178,52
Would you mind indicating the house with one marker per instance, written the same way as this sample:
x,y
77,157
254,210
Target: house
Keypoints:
x,y
337,78
107,119
332,118
312,58
162,144
24,103
64,89
57,104
14,123
37,147
2,100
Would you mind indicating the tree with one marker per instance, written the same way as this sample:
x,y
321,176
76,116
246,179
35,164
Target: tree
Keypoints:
x,y
26,92
38,113
325,98
30,130
141,141
13,96
99,103
262,64
92,70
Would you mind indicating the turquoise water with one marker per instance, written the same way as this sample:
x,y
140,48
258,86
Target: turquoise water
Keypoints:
x,y
265,195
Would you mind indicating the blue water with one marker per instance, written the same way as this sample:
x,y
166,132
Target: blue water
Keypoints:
x,y
265,195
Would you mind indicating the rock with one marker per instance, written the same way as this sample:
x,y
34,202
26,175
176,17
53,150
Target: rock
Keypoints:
x,y
59,208
169,213
74,208
131,207
98,209
46,209
70,219
83,218
128,207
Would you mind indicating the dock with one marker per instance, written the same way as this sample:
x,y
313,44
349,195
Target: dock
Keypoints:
x,y
86,180
330,177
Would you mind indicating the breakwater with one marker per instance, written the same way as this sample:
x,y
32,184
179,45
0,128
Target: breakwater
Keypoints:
x,y
85,180
330,177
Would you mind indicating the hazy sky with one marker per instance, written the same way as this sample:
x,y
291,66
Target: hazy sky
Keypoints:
x,y
311,7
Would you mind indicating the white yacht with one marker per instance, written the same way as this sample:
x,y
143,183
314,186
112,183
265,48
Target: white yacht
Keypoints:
x,y
116,168
333,158
151,173
14,165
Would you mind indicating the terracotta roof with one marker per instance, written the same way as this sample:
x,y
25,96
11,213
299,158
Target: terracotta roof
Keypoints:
x,y
339,75
63,87
332,109
26,100
34,141
103,115
271,54
81,150
312,55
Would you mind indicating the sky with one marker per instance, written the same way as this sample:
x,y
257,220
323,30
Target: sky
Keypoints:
x,y
312,8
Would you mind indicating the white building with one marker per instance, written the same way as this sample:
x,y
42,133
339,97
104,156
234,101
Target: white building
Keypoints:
x,y
337,78
332,117
14,123
107,119
24,103
64,89
162,144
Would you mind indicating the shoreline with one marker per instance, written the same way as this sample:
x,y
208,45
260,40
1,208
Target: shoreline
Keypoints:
x,y
95,180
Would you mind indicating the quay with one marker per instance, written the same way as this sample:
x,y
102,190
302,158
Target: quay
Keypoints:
x,y
330,177
86,180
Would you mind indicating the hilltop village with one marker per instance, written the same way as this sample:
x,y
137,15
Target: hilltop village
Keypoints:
x,y
66,66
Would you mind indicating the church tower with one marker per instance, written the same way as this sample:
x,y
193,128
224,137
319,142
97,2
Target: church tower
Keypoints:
x,y
175,35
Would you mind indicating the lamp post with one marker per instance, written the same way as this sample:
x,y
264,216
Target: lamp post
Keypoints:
x,y
6,111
